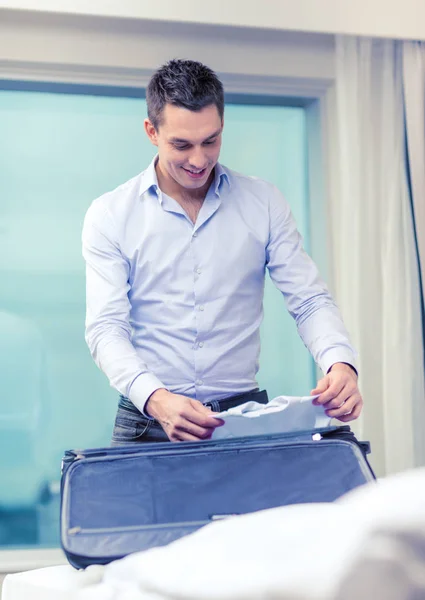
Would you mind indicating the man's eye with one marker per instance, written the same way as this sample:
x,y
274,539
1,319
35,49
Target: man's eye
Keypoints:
x,y
184,147
210,142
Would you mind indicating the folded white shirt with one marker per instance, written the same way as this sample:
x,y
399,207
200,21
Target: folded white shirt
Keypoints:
x,y
283,414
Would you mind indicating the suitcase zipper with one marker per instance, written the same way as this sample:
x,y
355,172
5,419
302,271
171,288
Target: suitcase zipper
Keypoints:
x,y
79,561
72,456
74,530
96,530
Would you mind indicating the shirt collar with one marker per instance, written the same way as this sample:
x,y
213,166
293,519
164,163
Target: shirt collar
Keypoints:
x,y
150,180
220,175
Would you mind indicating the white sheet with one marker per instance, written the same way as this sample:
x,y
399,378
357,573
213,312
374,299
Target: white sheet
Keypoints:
x,y
51,583
300,552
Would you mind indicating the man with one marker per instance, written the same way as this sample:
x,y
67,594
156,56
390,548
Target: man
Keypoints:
x,y
176,261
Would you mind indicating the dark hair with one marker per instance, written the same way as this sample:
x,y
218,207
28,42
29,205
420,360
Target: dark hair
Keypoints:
x,y
185,83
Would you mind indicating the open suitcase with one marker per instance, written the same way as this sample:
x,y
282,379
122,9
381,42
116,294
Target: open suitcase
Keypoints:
x,y
115,501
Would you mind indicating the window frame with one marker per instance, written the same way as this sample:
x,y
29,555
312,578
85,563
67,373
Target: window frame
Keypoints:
x,y
315,94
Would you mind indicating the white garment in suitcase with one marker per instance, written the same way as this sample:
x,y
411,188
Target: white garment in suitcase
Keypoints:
x,y
283,414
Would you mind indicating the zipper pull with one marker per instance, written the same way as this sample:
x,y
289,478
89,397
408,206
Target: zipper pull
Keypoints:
x,y
74,530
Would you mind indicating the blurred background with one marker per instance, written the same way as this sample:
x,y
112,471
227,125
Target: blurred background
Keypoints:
x,y
328,105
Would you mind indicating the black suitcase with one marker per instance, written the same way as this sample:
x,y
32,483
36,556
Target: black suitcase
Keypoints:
x,y
115,501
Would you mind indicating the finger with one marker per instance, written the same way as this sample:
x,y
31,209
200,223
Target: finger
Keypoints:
x,y
187,436
322,385
334,389
339,400
355,413
346,408
202,420
186,426
202,409
201,415
184,437
347,418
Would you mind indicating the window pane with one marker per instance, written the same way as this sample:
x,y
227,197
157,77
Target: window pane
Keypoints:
x,y
270,142
58,153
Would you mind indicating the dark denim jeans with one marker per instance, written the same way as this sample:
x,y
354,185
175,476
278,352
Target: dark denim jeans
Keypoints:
x,y
131,427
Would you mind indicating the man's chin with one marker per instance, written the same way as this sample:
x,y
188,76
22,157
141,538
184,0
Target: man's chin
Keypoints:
x,y
193,185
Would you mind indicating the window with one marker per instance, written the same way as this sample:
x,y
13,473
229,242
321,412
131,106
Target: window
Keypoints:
x,y
59,152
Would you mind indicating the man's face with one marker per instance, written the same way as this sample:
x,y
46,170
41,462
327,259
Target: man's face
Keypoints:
x,y
188,144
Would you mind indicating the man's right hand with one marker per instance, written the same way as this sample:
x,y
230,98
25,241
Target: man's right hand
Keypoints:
x,y
182,418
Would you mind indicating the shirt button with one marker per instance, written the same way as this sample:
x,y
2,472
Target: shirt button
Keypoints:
x,y
198,271
195,234
201,344
199,382
201,307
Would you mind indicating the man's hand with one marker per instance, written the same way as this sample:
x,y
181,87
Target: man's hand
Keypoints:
x,y
182,418
339,393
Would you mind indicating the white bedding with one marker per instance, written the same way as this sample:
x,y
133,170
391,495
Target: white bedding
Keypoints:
x,y
373,537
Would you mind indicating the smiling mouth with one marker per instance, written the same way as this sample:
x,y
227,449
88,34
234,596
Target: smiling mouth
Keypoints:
x,y
195,174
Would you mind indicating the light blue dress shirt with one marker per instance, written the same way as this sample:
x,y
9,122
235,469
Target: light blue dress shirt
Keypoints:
x,y
179,305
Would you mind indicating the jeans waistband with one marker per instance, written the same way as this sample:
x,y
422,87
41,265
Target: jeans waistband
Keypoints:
x,y
215,405
232,401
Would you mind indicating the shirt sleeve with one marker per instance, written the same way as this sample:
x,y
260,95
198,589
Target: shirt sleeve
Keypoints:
x,y
108,330
306,296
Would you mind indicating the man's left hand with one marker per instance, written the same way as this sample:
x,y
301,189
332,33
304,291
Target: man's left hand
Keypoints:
x,y
339,393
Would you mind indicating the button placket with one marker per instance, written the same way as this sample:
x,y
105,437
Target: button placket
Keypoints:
x,y
199,307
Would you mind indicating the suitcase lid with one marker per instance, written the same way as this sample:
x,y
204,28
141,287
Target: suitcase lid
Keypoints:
x,y
124,499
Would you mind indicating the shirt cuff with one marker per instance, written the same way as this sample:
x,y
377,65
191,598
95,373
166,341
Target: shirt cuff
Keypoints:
x,y
142,388
348,365
337,355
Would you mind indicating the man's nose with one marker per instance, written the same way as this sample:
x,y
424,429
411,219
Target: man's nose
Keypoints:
x,y
197,159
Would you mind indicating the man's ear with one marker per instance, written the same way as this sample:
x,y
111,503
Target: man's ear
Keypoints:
x,y
151,132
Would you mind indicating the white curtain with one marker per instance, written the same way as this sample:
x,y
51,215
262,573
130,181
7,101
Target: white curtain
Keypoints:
x,y
373,253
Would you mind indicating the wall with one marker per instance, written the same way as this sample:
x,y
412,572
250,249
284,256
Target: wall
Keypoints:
x,y
385,18
107,50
